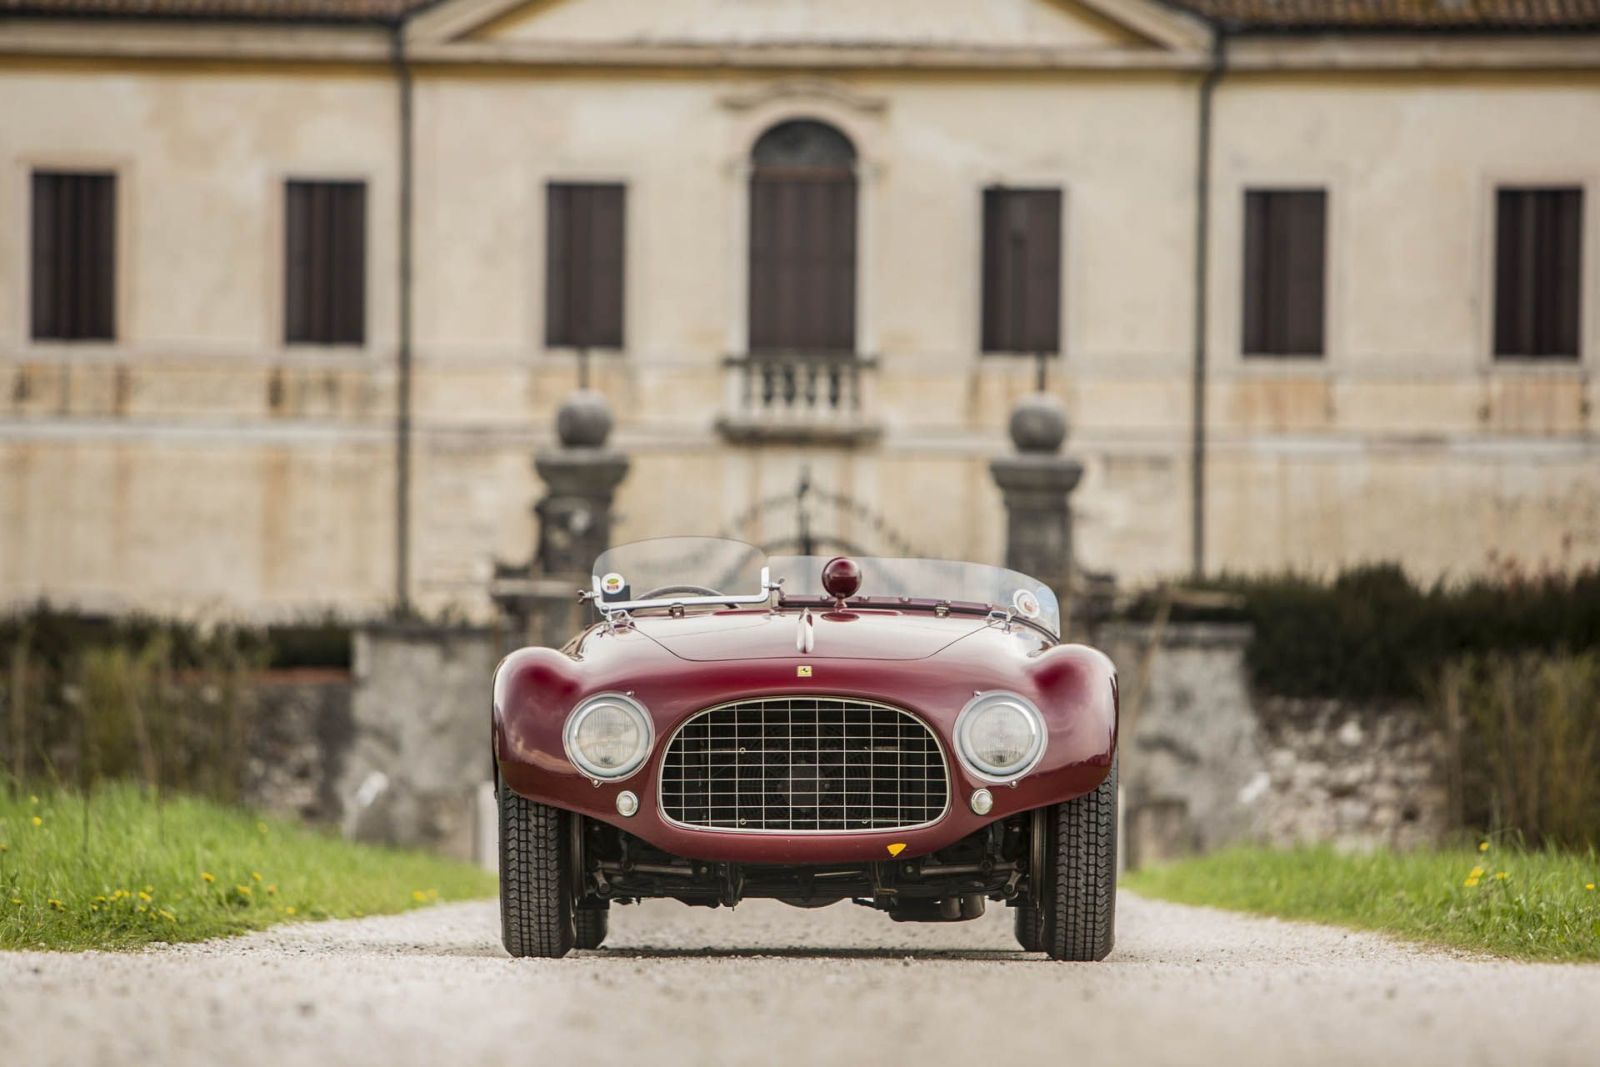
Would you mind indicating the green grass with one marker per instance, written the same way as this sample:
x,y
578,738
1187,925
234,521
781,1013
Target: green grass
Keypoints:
x,y
1545,907
123,869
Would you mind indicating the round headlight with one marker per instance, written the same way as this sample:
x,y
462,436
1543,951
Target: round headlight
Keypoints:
x,y
999,736
608,736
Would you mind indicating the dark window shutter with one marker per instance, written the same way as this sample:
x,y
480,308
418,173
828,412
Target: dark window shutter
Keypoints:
x,y
584,242
802,260
1538,272
1021,270
1285,265
802,281
325,263
74,256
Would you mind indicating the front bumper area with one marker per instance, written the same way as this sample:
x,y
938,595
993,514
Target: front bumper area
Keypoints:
x,y
1080,717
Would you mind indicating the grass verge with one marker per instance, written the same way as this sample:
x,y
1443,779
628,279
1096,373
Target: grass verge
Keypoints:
x,y
122,869
1504,901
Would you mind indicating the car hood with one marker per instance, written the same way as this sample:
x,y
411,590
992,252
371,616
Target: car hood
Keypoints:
x,y
855,634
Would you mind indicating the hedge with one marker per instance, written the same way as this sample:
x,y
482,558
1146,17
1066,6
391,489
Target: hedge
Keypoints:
x,y
1372,633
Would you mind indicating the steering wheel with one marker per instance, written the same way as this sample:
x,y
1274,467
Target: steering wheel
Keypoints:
x,y
668,590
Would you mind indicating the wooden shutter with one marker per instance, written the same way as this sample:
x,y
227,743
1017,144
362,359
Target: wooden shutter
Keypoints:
x,y
74,256
1021,270
1538,272
1285,257
325,263
584,240
802,259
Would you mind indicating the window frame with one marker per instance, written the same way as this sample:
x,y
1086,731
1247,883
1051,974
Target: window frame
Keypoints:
x,y
545,251
1058,291
282,186
117,172
1266,354
1584,284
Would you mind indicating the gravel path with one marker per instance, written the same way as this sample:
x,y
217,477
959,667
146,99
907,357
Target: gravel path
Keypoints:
x,y
767,983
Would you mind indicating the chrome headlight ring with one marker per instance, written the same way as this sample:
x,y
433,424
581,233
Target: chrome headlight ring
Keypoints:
x,y
1018,716
613,712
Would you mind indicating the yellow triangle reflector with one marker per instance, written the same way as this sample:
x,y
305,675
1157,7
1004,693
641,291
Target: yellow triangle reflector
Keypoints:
x,y
897,848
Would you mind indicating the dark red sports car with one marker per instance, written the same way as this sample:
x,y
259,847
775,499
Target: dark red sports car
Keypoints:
x,y
907,734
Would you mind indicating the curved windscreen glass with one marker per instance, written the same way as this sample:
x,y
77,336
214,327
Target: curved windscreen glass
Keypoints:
x,y
714,570
678,569
929,579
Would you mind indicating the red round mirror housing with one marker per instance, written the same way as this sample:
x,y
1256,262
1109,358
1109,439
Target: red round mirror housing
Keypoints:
x,y
841,577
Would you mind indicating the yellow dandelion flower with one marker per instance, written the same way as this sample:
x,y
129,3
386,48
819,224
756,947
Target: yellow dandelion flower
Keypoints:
x,y
56,904
1501,875
255,876
38,821
207,877
1477,872
242,890
418,895
1483,846
146,897
100,899
1590,887
289,910
1470,882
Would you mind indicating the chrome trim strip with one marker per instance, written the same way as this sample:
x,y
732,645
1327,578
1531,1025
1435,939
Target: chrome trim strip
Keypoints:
x,y
944,757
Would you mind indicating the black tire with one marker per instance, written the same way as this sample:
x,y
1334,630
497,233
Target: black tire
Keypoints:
x,y
536,917
1029,935
1078,893
592,924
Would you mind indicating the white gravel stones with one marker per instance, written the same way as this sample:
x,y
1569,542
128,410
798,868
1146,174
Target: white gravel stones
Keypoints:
x,y
771,984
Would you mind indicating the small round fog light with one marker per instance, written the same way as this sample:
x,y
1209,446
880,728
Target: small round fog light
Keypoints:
x,y
627,803
982,801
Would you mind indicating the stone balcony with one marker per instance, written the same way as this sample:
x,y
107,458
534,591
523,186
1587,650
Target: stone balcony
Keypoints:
x,y
799,398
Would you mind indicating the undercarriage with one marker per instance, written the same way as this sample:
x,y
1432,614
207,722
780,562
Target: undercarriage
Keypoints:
x,y
950,885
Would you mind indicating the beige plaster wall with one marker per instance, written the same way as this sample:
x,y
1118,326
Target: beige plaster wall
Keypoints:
x,y
199,464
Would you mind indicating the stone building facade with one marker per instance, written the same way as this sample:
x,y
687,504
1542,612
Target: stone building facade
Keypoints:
x,y
290,289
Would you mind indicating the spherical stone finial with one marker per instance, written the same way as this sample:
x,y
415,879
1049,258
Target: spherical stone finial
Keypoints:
x,y
1038,424
841,577
584,420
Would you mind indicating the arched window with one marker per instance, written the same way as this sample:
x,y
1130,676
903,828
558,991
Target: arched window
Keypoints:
x,y
803,240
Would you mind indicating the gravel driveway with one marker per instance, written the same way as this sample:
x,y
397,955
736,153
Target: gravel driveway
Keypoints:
x,y
767,983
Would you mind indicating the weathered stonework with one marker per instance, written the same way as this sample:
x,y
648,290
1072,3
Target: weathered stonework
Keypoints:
x,y
1206,762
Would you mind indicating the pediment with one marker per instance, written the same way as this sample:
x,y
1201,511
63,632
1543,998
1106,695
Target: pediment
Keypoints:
x,y
1050,26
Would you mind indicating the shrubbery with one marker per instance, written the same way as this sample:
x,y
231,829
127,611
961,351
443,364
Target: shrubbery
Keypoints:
x,y
1507,662
1371,633
85,698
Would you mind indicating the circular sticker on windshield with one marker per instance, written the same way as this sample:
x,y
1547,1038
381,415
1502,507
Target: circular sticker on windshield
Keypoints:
x,y
1026,603
612,584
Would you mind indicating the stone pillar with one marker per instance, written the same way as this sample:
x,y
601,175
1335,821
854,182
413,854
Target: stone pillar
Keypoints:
x,y
581,475
1036,484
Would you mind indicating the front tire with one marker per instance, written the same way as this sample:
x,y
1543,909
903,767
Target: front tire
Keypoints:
x,y
1027,922
592,926
1078,893
536,915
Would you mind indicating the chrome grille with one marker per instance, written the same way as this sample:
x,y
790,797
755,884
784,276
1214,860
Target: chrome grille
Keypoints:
x,y
799,764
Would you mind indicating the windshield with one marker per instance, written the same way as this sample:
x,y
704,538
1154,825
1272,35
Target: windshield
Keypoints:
x,y
714,570
679,570
930,579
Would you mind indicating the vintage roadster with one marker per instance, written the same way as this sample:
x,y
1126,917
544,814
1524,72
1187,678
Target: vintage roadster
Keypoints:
x,y
907,734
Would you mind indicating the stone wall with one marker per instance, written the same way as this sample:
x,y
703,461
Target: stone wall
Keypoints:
x,y
420,751
300,732
1206,762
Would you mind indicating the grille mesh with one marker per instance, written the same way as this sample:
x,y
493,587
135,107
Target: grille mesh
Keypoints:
x,y
804,763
